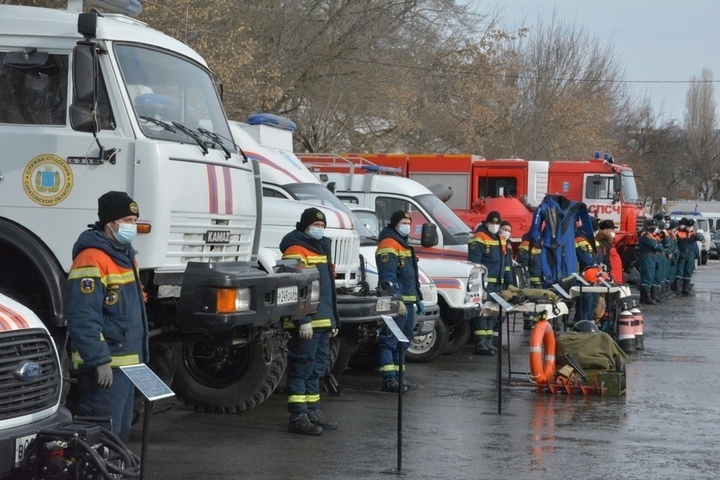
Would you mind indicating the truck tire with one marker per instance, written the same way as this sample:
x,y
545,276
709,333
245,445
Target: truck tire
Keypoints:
x,y
426,348
458,334
212,377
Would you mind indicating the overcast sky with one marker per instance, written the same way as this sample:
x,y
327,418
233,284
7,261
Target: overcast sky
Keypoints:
x,y
655,40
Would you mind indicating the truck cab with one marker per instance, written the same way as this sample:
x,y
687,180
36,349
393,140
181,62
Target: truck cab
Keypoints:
x,y
98,102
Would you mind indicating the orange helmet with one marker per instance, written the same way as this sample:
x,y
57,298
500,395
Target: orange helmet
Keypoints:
x,y
593,274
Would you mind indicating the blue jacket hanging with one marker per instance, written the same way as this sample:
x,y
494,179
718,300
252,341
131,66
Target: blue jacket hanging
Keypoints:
x,y
553,226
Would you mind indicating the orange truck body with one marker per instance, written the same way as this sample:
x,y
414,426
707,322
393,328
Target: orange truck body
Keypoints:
x,y
515,187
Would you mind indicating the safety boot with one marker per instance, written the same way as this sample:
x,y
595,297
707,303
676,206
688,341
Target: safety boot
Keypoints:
x,y
300,423
674,286
317,418
686,292
482,348
645,298
393,386
655,294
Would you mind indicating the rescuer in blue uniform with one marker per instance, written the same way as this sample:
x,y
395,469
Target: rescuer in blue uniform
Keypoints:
x,y
105,311
487,248
663,264
672,254
586,252
650,249
309,344
397,272
686,242
529,259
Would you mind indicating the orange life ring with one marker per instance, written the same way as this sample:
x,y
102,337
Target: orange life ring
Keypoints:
x,y
542,353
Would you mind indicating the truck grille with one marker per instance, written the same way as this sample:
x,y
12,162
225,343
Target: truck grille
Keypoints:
x,y
188,239
429,293
18,397
346,257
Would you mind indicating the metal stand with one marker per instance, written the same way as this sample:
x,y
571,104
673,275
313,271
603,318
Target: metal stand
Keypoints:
x,y
145,436
502,304
392,326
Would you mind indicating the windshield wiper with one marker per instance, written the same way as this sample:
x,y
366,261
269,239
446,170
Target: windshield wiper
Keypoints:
x,y
159,123
192,135
216,139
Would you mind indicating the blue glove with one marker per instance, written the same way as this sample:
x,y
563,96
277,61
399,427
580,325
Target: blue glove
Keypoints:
x,y
420,307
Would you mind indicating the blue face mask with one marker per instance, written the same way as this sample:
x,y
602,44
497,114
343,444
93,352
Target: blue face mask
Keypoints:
x,y
403,230
126,232
316,232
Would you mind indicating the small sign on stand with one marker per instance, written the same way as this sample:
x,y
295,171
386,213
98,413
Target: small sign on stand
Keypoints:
x,y
153,389
395,330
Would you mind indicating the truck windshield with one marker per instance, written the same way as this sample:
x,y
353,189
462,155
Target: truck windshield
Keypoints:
x,y
442,215
166,90
320,195
629,187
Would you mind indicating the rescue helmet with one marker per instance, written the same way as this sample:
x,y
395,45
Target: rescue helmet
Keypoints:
x,y
585,326
594,274
673,224
651,222
659,217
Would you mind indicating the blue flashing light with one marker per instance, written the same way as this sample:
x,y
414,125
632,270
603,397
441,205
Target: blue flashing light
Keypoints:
x,y
131,8
276,121
597,155
378,168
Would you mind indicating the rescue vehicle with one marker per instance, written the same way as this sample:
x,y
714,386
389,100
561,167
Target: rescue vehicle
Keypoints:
x,y
461,284
97,102
473,186
353,246
31,382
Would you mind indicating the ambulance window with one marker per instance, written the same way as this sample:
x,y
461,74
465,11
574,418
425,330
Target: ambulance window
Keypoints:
x,y
35,95
268,192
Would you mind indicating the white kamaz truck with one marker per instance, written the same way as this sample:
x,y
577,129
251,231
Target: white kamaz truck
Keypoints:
x,y
95,102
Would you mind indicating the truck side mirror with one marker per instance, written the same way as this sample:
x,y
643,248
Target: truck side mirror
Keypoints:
x,y
429,236
84,73
616,184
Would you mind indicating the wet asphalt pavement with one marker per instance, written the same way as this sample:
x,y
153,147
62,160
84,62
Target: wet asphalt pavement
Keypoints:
x,y
666,426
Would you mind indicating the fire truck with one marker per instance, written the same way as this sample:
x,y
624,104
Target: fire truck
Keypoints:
x,y
473,186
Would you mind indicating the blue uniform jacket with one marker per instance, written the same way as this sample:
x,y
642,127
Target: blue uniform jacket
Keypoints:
x,y
397,263
105,306
316,254
487,249
529,258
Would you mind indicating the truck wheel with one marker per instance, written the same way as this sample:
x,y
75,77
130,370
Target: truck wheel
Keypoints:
x,y
213,377
703,258
426,348
346,348
458,334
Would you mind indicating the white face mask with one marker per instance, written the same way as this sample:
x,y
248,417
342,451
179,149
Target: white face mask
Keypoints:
x,y
125,233
612,235
316,232
505,234
493,228
403,230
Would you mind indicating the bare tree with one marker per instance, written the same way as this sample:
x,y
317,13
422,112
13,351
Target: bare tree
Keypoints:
x,y
701,129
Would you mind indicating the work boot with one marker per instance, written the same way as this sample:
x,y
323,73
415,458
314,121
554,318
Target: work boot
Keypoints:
x,y
528,324
654,294
648,298
317,418
494,343
393,386
674,286
300,423
482,348
686,292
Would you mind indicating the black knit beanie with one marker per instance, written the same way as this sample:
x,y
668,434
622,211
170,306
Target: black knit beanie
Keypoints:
x,y
397,216
310,216
493,217
115,205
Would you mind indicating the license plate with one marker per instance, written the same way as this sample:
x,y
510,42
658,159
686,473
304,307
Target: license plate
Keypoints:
x,y
383,305
428,326
21,445
287,295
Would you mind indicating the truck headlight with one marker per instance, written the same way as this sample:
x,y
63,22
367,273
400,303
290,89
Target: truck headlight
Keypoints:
x,y
315,291
231,300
